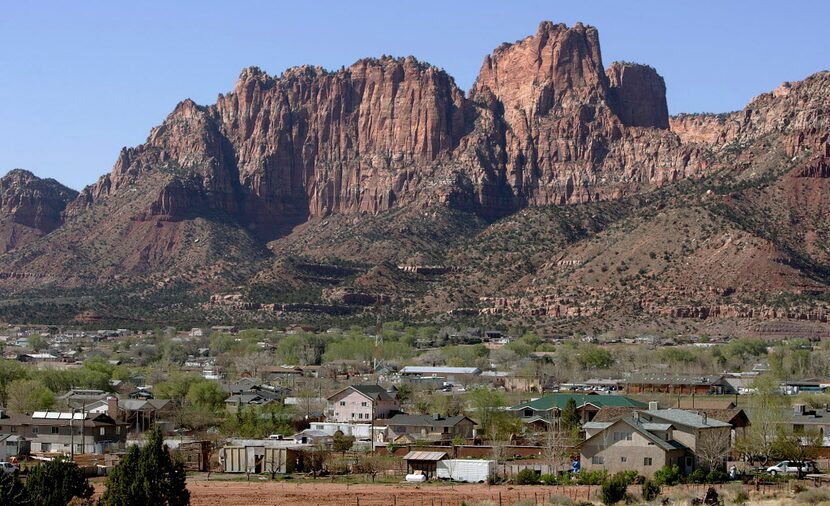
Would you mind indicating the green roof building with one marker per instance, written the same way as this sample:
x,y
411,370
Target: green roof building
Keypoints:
x,y
544,411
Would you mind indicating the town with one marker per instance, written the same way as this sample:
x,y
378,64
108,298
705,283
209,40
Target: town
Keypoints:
x,y
395,404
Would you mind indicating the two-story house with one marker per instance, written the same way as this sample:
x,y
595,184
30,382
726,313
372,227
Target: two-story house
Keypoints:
x,y
52,431
361,403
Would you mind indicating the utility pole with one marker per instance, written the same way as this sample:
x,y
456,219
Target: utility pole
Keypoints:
x,y
72,436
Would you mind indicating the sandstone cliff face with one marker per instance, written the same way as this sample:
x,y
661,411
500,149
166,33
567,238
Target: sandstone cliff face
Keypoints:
x,y
30,207
562,140
638,95
544,124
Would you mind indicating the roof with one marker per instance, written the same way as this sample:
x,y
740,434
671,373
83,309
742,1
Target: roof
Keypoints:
x,y
684,417
701,403
424,369
374,392
614,413
142,404
672,379
643,428
559,400
246,399
433,456
426,420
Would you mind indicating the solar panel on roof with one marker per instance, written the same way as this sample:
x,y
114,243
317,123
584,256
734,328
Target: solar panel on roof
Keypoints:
x,y
52,416
39,414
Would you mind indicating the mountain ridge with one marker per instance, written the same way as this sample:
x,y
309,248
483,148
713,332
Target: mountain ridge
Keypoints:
x,y
387,162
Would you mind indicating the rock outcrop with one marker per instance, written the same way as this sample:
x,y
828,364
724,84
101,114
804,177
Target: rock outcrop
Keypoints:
x,y
638,95
537,129
30,207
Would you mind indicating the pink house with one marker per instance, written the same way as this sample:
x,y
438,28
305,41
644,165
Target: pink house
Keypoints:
x,y
361,403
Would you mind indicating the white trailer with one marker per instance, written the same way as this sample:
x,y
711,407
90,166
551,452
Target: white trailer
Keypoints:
x,y
468,471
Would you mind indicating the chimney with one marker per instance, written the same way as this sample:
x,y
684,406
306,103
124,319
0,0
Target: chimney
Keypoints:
x,y
653,405
436,416
705,418
112,407
798,409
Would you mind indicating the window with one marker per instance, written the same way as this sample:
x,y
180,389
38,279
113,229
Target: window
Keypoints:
x,y
342,403
13,428
623,459
622,436
55,430
597,460
647,461
364,404
103,431
35,430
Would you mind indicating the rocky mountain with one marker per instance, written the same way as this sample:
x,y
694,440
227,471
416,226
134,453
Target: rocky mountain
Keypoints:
x,y
30,207
533,195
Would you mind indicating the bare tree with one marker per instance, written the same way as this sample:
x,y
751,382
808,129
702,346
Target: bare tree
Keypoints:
x,y
712,447
556,448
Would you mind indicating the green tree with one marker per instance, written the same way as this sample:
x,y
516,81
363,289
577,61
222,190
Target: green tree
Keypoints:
x,y
341,443
147,476
56,482
10,370
487,404
25,396
569,421
12,490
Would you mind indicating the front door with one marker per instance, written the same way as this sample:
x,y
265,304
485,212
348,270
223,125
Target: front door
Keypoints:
x,y
690,463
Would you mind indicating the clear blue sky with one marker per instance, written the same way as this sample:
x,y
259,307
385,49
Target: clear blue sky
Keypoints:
x,y
79,80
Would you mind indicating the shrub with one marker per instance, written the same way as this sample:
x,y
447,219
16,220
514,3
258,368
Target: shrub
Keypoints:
x,y
527,477
651,490
697,476
717,476
668,475
592,477
741,497
560,500
614,489
549,479
813,496
56,482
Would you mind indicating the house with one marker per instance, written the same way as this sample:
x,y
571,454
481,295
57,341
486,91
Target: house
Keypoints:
x,y
13,445
79,398
630,443
544,411
52,431
430,427
704,436
236,402
313,437
138,414
678,384
361,403
455,375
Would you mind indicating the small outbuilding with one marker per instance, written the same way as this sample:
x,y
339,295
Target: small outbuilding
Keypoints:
x,y
426,462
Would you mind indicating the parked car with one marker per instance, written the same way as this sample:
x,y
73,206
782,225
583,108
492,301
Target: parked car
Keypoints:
x,y
792,467
8,467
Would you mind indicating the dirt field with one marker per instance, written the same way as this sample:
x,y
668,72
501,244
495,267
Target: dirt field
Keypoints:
x,y
286,493
204,493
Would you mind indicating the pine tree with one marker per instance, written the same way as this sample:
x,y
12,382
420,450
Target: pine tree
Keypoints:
x,y
56,482
147,476
12,491
570,417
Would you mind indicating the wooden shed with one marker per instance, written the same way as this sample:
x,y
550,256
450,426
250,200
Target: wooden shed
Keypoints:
x,y
426,462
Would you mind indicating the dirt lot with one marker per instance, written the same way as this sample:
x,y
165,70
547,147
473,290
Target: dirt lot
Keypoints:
x,y
205,493
307,493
